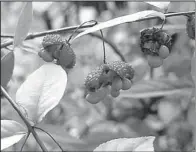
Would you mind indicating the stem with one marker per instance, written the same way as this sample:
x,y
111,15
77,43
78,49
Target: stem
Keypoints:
x,y
104,54
116,50
80,27
50,137
162,24
6,36
25,141
30,128
39,34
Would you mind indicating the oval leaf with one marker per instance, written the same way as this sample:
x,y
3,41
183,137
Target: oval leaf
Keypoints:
x,y
155,88
7,67
128,144
41,91
24,24
123,19
11,133
161,5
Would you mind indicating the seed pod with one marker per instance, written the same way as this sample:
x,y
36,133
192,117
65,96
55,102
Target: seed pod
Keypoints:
x,y
190,26
60,49
107,77
147,42
163,52
121,68
46,56
126,84
67,56
56,54
93,81
52,39
52,48
115,93
116,83
154,61
152,39
95,97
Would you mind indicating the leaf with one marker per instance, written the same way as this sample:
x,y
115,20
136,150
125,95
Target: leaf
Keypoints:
x,y
24,24
128,144
123,19
193,71
160,5
41,6
7,67
155,88
11,133
41,91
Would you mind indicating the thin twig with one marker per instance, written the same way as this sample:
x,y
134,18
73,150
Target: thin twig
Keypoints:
x,y
66,29
27,136
6,36
104,54
115,49
50,137
162,24
79,27
30,128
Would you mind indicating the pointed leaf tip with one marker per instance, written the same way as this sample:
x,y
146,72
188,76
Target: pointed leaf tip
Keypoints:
x,y
24,24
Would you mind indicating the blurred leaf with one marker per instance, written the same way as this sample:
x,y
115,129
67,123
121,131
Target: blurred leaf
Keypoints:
x,y
177,64
24,24
140,67
161,5
11,133
192,114
29,48
155,88
128,144
100,138
168,111
113,128
41,7
7,67
41,91
139,126
193,70
102,133
123,19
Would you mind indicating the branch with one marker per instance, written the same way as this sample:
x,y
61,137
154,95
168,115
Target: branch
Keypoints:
x,y
6,36
27,136
66,29
39,34
50,137
30,128
116,50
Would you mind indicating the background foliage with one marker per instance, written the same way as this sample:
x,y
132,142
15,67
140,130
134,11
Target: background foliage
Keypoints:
x,y
78,125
